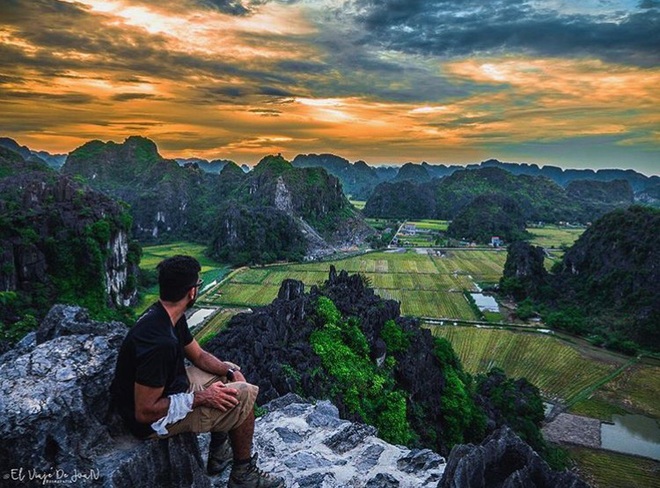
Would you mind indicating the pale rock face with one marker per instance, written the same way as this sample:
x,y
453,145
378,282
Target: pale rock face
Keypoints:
x,y
283,196
116,270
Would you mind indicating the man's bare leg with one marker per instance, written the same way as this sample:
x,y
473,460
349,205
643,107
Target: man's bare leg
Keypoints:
x,y
241,438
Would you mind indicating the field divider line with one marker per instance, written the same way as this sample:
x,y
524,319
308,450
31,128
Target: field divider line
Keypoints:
x,y
590,389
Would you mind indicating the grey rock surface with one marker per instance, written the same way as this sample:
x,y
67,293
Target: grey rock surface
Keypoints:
x,y
330,452
55,425
503,460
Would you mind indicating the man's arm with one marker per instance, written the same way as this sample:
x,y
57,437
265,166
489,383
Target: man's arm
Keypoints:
x,y
151,405
208,362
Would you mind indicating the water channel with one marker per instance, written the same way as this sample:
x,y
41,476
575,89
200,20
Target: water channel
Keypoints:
x,y
485,303
199,316
632,434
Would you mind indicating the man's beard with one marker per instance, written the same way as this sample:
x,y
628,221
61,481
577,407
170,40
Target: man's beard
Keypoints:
x,y
191,303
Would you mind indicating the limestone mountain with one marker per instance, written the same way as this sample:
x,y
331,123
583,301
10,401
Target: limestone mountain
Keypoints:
x,y
161,194
606,283
55,161
413,172
650,195
215,166
278,211
301,211
487,216
59,241
357,179
599,197
403,200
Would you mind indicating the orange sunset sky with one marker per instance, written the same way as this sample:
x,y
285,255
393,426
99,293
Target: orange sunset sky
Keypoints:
x,y
572,84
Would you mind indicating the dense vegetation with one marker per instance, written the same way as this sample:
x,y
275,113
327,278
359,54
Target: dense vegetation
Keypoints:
x,y
57,240
367,392
605,285
487,216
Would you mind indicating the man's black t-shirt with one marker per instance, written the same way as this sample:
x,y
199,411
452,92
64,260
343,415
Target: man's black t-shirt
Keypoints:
x,y
151,355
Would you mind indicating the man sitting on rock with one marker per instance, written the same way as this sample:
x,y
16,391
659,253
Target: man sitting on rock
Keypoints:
x,y
157,396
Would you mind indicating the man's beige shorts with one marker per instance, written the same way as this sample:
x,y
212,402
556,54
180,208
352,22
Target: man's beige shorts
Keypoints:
x,y
207,419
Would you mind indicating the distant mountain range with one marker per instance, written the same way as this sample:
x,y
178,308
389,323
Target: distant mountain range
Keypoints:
x,y
55,161
359,180
538,198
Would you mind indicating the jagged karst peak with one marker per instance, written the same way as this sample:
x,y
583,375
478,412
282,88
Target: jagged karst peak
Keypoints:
x,y
9,143
231,168
273,163
414,172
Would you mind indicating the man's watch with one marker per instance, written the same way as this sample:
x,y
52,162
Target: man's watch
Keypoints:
x,y
230,374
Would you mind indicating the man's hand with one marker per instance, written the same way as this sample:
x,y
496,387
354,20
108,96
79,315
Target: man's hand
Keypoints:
x,y
217,396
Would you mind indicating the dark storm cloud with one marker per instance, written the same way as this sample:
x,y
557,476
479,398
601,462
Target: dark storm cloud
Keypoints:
x,y
126,97
460,28
68,98
274,91
231,7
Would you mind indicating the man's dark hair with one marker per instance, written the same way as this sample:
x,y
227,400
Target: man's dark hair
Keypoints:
x,y
177,275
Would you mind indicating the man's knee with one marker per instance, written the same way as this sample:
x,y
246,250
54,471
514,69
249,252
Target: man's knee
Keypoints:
x,y
247,392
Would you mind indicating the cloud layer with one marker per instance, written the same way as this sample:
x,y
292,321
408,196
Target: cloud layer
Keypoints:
x,y
384,81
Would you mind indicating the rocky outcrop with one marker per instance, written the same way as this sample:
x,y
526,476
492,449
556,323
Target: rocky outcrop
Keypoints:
x,y
58,240
310,446
502,460
281,359
524,270
55,425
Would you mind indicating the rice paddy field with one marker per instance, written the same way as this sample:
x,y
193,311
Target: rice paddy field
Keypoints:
x,y
427,283
634,391
212,326
560,370
553,236
603,469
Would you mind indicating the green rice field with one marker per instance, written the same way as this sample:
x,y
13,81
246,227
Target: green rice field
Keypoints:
x,y
603,469
436,225
553,236
560,370
427,284
215,324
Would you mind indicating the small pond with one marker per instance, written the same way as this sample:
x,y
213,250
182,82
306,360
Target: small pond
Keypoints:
x,y
485,303
632,434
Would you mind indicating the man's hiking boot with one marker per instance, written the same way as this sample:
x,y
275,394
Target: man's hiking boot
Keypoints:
x,y
249,476
220,453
